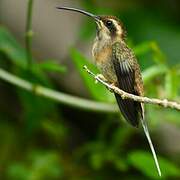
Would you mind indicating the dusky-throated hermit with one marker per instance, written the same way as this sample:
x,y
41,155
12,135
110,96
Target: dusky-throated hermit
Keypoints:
x,y
119,66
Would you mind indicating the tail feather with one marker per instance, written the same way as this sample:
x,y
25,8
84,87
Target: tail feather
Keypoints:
x,y
129,110
146,131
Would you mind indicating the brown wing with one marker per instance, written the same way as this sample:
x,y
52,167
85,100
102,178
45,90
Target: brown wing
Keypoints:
x,y
125,72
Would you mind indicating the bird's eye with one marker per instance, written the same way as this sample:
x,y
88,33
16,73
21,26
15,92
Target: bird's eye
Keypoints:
x,y
109,23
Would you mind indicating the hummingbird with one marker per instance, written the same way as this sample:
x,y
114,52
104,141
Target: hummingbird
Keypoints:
x,y
119,66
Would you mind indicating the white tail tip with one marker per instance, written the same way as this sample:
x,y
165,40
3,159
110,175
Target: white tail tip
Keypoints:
x,y
151,146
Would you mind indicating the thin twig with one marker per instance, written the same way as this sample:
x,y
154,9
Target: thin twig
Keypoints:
x,y
29,33
165,103
56,96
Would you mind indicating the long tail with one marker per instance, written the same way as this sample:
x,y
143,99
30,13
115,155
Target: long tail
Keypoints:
x,y
146,131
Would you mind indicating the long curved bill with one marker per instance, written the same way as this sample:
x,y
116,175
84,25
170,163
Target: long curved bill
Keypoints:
x,y
95,17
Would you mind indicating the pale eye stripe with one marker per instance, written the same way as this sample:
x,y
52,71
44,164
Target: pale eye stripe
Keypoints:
x,y
119,29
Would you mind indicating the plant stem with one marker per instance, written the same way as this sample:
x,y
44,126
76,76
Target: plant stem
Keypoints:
x,y
124,95
66,99
59,97
29,33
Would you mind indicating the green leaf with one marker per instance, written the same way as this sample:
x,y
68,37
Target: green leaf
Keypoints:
x,y
51,66
169,116
39,165
17,55
56,130
97,160
120,136
45,165
18,171
144,162
142,48
159,56
152,72
35,108
97,91
153,47
35,111
171,84
11,48
120,164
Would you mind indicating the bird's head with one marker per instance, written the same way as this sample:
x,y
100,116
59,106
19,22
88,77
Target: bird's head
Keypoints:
x,y
108,27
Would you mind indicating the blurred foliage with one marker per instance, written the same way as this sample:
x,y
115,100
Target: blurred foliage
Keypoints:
x,y
40,165
101,94
144,162
42,140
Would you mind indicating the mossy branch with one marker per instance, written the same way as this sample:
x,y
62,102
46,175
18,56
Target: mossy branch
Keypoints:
x,y
165,103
